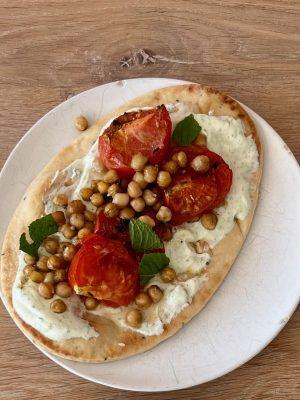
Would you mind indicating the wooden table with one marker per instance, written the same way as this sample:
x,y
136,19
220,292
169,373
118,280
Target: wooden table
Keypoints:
x,y
54,49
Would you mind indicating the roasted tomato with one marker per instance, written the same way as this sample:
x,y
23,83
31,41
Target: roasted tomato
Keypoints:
x,y
105,269
111,228
146,132
191,193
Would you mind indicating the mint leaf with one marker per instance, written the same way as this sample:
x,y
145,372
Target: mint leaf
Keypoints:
x,y
150,265
186,131
142,236
39,230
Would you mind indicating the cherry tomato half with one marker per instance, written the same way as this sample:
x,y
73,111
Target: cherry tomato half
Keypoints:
x,y
147,132
106,270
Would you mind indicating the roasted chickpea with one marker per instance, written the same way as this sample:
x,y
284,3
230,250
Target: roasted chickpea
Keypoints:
x,y
28,269
94,185
62,289
30,260
180,158
49,277
83,233
184,276
58,306
60,275
200,164
59,217
209,221
77,220
150,173
170,166
51,245
111,176
149,197
42,263
143,300
46,290
102,187
121,200
201,140
68,231
111,210
134,318
86,193
167,274
62,246
90,303
127,213
89,216
55,261
164,214
75,207
60,200
113,190
147,220
97,199
155,293
138,204
138,177
202,247
36,276
69,252
164,179
138,162
81,123
134,190
89,225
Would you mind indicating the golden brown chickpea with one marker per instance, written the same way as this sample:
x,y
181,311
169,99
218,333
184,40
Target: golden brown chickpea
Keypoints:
x,y
83,233
147,220
60,275
75,207
59,217
60,200
113,190
111,176
209,221
184,276
200,164
51,245
89,216
68,231
138,162
134,190
121,199
111,210
201,140
127,213
46,290
150,173
202,247
86,193
62,289
150,197
81,123
28,269
55,262
89,225
164,214
167,274
36,276
69,252
62,246
164,179
102,187
90,303
180,158
42,263
30,260
77,220
97,199
138,177
170,166
49,277
155,293
138,204
143,300
58,306
94,185
134,318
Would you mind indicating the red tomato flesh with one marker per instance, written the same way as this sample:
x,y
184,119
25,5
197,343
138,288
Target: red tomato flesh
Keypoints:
x,y
146,132
106,270
111,228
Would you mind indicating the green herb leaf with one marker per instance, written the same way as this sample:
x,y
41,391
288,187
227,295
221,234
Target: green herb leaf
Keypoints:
x,y
186,131
150,265
142,236
39,230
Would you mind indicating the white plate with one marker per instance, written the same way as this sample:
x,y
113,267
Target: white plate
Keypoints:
x,y
259,294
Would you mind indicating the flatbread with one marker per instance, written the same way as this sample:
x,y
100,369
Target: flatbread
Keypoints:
x,y
106,346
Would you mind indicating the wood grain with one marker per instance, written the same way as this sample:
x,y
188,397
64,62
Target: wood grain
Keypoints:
x,y
54,49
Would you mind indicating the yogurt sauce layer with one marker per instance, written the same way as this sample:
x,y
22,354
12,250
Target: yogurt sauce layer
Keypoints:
x,y
225,136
